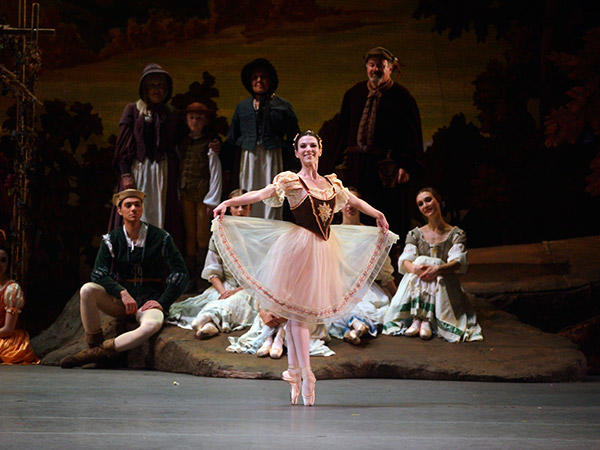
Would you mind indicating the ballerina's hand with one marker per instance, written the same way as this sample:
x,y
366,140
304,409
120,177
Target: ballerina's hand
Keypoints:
x,y
220,210
382,223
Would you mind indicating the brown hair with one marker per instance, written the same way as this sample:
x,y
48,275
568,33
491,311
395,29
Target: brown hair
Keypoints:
x,y
307,133
237,193
433,192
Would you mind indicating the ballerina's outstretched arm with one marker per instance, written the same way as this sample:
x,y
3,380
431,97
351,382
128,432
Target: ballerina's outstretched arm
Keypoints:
x,y
245,199
364,207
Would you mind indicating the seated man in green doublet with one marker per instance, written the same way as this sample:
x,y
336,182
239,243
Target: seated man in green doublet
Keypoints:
x,y
138,272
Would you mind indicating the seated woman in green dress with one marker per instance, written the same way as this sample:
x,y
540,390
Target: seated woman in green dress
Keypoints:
x,y
430,300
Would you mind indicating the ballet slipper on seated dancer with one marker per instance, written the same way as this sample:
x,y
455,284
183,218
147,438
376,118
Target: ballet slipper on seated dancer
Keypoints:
x,y
204,327
265,349
414,328
277,346
360,327
425,332
351,336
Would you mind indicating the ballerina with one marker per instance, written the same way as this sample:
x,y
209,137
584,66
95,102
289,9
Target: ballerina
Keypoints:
x,y
307,272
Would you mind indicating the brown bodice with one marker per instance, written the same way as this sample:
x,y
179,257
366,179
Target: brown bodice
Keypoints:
x,y
315,214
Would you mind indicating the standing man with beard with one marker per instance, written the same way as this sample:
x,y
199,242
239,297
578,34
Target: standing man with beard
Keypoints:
x,y
263,126
379,140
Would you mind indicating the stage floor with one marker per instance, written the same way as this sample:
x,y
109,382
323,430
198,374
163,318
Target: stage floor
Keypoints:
x,y
48,407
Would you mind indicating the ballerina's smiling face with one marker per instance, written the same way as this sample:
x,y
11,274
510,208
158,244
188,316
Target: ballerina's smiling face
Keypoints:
x,y
428,204
308,149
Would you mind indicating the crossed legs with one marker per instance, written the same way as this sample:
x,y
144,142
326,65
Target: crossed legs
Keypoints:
x,y
298,344
94,299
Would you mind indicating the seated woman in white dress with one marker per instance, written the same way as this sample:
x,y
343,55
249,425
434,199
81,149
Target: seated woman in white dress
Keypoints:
x,y
263,340
224,306
367,315
430,299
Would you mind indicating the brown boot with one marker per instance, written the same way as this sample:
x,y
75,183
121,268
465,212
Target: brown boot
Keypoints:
x,y
101,354
94,339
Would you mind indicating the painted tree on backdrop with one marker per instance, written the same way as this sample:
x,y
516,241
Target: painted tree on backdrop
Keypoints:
x,y
513,96
69,204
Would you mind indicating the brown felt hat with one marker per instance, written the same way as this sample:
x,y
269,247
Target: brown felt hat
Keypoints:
x,y
379,52
120,196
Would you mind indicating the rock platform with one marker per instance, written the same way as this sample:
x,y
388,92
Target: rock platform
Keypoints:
x,y
538,280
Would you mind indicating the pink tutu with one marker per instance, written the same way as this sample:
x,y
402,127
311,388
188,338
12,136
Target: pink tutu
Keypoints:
x,y
295,273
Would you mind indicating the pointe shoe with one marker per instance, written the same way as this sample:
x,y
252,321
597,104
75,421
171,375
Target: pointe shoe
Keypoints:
x,y
265,348
308,389
425,332
352,337
276,351
293,376
208,330
413,330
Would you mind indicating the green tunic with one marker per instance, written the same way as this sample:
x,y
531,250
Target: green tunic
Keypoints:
x,y
155,271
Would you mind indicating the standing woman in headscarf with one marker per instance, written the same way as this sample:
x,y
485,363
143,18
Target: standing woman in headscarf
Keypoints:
x,y
145,155
263,126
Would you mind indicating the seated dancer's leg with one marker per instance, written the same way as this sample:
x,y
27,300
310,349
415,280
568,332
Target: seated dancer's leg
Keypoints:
x,y
301,338
277,347
94,298
293,376
204,326
150,321
265,349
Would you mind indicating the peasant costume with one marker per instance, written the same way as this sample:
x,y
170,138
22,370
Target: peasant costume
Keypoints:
x,y
16,348
371,309
310,271
255,337
442,301
233,313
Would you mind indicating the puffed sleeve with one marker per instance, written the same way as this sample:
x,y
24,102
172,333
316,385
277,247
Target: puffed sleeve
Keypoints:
x,y
458,251
213,265
13,299
410,251
283,182
213,197
386,274
342,194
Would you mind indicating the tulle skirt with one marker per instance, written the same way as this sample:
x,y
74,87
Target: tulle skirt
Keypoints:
x,y
296,274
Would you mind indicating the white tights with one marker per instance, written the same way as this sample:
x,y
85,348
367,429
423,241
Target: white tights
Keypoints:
x,y
298,345
150,321
94,299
